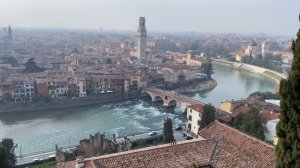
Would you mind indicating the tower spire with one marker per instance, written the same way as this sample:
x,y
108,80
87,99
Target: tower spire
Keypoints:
x,y
9,33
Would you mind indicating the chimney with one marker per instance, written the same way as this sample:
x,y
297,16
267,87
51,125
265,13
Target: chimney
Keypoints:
x,y
79,162
114,138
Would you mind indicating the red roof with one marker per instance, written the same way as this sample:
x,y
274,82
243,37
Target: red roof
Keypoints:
x,y
269,115
237,149
197,107
183,154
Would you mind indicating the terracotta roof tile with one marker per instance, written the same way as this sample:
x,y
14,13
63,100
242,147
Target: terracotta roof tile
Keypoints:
x,y
197,107
236,149
183,154
269,115
180,155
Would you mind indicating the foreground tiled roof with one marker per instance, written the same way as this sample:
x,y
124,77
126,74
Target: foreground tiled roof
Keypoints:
x,y
236,149
183,154
224,147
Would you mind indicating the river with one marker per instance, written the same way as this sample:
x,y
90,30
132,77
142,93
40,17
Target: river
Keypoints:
x,y
41,130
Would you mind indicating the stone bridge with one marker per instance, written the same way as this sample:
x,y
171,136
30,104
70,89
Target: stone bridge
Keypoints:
x,y
170,98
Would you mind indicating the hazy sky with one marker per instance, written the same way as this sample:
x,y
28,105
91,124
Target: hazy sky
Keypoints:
x,y
243,16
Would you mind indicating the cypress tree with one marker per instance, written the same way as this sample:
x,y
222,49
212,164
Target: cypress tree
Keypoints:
x,y
207,68
288,128
168,131
7,153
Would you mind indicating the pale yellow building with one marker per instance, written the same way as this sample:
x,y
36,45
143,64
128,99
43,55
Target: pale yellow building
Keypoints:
x,y
192,60
275,141
226,106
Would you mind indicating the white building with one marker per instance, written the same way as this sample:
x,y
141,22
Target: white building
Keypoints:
x,y
142,40
58,88
271,129
29,89
169,75
190,59
194,114
81,85
264,49
252,49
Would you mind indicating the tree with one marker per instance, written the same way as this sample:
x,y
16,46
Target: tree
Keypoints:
x,y
30,66
7,153
265,95
288,147
207,68
208,115
168,131
250,123
10,60
3,158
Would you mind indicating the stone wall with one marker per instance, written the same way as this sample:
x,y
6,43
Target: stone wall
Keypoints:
x,y
61,103
273,75
62,156
97,145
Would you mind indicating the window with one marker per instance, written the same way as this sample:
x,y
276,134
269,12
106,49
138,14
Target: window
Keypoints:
x,y
190,117
191,110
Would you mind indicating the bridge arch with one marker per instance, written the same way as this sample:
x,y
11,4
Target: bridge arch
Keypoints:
x,y
172,103
155,97
170,98
151,95
158,98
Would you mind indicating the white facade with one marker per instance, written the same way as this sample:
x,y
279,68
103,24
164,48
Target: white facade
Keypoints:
x,y
61,91
81,85
194,114
252,49
29,89
58,89
142,39
190,74
23,91
264,49
271,130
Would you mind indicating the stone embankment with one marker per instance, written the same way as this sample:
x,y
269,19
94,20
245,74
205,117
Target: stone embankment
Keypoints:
x,y
62,103
198,87
273,75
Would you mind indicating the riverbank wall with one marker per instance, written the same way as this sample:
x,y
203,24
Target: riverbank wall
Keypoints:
x,y
63,103
199,87
270,74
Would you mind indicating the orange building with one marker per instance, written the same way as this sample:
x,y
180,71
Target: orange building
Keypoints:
x,y
42,88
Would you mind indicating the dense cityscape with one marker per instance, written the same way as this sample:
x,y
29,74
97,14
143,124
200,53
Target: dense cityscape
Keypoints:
x,y
104,98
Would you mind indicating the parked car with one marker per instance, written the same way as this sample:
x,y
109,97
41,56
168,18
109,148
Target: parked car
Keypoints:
x,y
184,134
36,160
51,156
189,137
152,133
178,128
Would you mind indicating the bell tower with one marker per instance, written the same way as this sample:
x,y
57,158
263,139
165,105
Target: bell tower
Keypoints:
x,y
142,39
9,33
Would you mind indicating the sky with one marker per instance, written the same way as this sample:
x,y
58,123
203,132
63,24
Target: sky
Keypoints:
x,y
209,16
